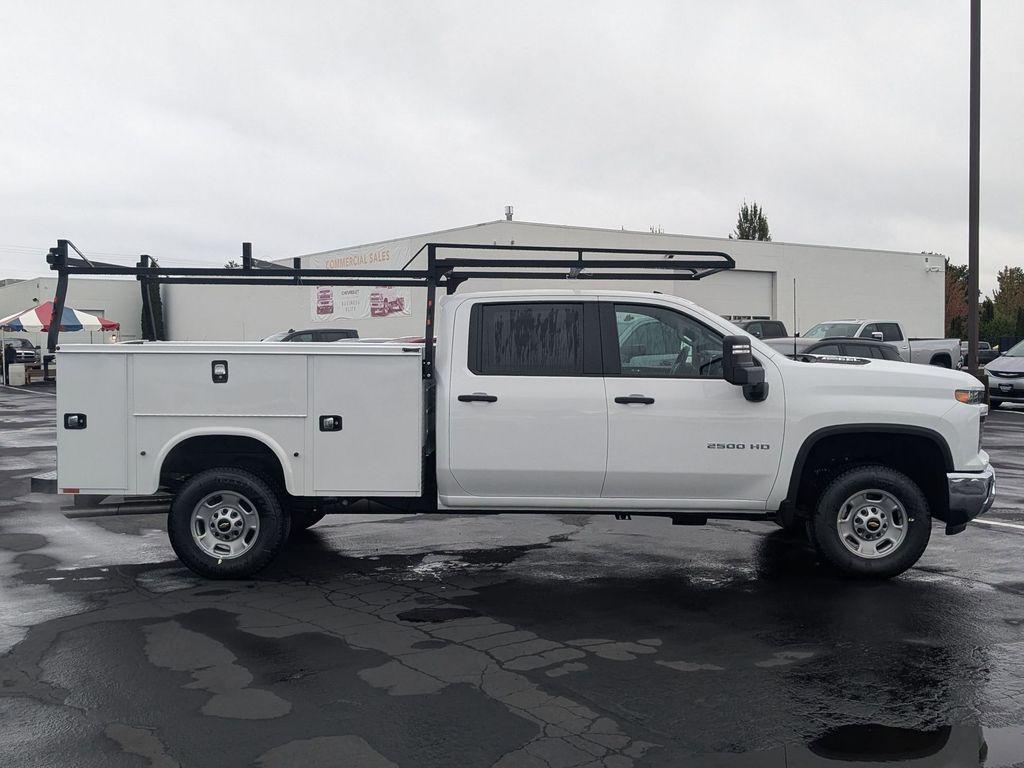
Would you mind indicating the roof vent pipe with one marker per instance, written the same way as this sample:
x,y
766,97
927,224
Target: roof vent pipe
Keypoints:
x,y
508,213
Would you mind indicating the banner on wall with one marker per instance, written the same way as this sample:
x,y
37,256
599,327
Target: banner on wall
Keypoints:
x,y
361,302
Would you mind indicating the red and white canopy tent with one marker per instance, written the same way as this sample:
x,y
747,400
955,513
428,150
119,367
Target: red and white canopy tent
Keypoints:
x,y
39,319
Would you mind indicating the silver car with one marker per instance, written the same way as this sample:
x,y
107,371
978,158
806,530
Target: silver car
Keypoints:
x,y
1006,377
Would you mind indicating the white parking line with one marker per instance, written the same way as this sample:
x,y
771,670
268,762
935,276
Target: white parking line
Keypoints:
x,y
21,391
1001,524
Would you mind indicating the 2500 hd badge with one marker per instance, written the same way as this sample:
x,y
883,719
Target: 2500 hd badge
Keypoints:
x,y
739,446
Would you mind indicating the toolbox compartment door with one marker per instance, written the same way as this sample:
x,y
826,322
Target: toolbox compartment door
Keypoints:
x,y
93,458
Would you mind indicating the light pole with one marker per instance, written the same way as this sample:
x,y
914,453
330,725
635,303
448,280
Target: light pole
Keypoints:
x,y
972,194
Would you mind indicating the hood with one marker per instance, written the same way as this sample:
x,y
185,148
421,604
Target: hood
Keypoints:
x,y
1006,364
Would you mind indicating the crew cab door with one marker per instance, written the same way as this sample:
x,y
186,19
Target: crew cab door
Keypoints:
x,y
526,403
676,429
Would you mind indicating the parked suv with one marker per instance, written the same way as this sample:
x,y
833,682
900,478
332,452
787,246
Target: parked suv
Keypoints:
x,y
1006,377
319,334
869,348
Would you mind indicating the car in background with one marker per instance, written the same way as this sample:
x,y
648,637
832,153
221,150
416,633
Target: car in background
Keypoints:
x,y
985,352
24,350
319,334
764,329
944,353
869,348
1006,377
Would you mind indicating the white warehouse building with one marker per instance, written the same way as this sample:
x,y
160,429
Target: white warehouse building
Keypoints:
x,y
798,284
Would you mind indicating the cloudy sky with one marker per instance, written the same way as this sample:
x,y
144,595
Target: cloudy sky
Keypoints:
x,y
181,129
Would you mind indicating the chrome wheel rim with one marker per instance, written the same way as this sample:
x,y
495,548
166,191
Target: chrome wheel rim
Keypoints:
x,y
225,524
872,524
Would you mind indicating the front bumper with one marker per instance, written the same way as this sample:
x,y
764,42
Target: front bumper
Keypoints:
x,y
1011,390
970,494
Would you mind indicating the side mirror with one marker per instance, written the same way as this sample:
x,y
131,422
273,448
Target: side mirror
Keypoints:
x,y
877,336
756,334
740,368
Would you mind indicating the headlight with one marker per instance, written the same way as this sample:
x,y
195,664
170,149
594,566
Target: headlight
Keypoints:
x,y
970,396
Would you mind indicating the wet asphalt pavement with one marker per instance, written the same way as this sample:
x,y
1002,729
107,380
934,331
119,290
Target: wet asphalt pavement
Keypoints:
x,y
538,641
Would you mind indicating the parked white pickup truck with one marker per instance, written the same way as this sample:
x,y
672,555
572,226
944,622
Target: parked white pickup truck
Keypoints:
x,y
944,353
530,401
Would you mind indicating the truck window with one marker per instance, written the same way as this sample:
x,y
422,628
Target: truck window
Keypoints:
x,y
890,331
868,330
304,337
336,335
538,339
827,349
772,330
658,342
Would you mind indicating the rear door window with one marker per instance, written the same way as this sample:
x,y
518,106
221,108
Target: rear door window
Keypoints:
x,y
534,339
772,330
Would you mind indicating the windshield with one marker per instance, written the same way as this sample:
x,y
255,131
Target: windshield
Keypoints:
x,y
276,336
828,330
1017,350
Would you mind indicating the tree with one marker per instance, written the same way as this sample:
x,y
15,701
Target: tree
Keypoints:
x,y
956,299
1008,296
232,264
751,224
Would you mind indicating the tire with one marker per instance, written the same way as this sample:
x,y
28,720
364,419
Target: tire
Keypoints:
x,y
227,523
854,526
941,361
994,404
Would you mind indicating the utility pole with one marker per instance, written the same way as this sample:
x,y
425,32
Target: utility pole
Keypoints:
x,y
973,187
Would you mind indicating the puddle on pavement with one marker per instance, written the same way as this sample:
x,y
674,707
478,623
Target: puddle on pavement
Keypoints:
x,y
950,746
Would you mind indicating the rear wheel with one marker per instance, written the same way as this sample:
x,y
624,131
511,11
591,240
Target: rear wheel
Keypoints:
x,y
226,523
872,521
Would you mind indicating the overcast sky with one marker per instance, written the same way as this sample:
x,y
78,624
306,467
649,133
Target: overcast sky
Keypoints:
x,y
181,129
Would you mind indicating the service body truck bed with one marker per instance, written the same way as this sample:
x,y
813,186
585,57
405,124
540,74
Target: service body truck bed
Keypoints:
x,y
141,401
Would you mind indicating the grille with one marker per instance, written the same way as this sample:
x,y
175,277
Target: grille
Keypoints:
x,y
1004,374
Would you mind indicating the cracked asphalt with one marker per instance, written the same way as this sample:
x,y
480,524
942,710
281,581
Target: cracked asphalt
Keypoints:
x,y
544,641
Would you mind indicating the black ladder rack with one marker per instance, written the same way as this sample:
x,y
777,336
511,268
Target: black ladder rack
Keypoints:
x,y
441,272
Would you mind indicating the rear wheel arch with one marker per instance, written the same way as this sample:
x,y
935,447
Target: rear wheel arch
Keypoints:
x,y
942,360
197,450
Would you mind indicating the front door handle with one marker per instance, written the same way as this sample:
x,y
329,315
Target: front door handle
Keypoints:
x,y
641,399
478,397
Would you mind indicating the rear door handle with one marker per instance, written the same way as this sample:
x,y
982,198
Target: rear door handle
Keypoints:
x,y
478,397
641,399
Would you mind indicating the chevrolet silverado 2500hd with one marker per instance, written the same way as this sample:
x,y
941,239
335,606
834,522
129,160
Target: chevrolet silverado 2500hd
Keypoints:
x,y
596,402
528,401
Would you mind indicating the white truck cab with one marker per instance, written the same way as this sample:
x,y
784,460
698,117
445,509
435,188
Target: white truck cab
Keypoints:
x,y
608,402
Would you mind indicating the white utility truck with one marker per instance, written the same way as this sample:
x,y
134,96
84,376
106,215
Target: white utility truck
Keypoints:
x,y
564,400
944,353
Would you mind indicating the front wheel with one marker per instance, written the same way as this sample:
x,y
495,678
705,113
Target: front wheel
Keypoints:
x,y
226,523
872,521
